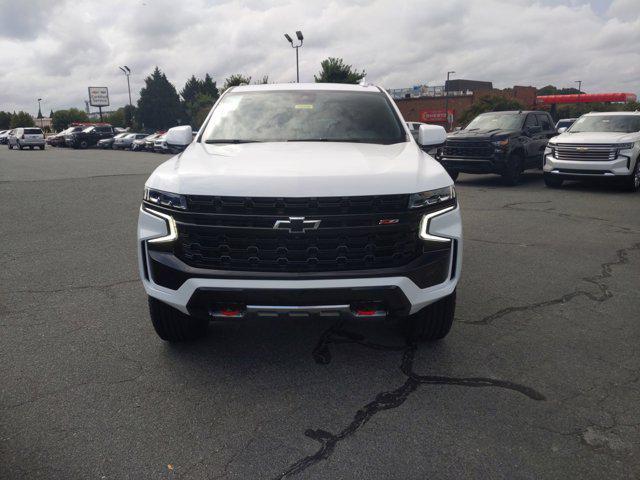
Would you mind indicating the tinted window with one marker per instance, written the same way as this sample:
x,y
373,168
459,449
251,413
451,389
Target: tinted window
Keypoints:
x,y
103,129
530,121
544,121
496,121
304,115
33,131
607,123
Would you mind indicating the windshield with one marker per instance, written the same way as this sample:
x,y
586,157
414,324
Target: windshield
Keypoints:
x,y
88,129
607,123
297,115
565,123
496,121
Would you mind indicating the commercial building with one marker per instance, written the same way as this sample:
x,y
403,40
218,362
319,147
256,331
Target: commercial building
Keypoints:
x,y
434,104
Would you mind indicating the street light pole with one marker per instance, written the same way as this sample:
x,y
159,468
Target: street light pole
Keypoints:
x,y
127,71
446,101
40,113
579,82
290,40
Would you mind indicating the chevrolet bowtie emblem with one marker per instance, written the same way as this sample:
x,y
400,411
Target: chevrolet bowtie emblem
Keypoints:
x,y
296,224
582,149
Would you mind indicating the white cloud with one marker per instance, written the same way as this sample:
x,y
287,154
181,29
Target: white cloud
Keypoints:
x,y
63,49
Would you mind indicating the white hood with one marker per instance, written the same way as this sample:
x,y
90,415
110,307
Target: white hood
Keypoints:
x,y
596,137
299,169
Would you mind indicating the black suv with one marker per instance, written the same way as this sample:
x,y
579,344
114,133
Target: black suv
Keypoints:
x,y
89,136
506,143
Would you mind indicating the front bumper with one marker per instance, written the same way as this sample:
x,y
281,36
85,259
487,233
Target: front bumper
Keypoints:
x,y
494,164
575,169
197,288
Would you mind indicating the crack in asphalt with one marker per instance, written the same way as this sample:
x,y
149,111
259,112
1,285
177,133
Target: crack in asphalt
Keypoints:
x,y
385,400
603,294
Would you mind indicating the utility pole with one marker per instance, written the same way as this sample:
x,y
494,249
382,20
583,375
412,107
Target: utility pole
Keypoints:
x,y
446,101
290,40
579,82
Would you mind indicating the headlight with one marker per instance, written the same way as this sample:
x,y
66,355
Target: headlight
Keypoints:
x,y
501,143
624,146
165,199
432,197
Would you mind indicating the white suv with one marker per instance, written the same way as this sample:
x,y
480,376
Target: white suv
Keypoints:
x,y
598,145
301,199
26,137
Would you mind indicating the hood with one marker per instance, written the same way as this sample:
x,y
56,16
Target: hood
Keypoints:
x,y
474,135
596,137
299,169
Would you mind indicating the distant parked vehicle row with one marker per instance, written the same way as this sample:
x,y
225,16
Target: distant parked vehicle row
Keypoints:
x,y
4,136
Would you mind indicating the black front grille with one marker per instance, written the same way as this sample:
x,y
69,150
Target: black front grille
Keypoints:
x,y
460,149
349,236
297,206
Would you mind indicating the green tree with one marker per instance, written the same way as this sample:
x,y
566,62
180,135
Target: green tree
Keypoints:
x,y
235,80
116,118
5,120
334,70
198,97
22,119
553,90
159,105
60,119
489,103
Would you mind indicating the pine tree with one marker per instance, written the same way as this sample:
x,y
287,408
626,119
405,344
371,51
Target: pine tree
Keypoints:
x,y
159,105
334,70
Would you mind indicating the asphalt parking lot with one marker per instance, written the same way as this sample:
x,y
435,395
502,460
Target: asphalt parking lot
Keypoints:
x,y
540,377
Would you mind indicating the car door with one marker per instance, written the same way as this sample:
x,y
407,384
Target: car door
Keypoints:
x,y
532,135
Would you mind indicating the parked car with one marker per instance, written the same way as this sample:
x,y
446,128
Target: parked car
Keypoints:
x,y
150,140
58,140
564,123
139,144
160,144
89,137
126,141
506,143
30,137
110,142
330,209
414,128
604,146
4,136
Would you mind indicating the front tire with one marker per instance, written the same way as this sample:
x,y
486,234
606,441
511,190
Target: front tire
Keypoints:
x,y
632,182
172,325
513,169
433,322
552,181
84,144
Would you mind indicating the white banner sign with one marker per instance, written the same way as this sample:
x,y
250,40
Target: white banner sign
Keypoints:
x,y
99,96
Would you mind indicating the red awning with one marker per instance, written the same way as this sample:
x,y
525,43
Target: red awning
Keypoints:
x,y
587,98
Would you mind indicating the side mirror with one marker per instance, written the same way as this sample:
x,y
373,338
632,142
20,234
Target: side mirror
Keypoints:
x,y
179,136
562,129
431,135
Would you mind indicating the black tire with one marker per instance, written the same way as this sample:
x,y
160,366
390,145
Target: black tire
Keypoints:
x,y
552,181
42,147
433,322
632,182
21,147
84,144
513,170
172,325
30,147
10,146
453,175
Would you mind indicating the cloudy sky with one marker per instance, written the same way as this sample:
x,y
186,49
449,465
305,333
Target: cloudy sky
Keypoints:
x,y
56,49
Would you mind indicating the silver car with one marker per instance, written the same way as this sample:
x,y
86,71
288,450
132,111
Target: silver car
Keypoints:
x,y
26,137
127,140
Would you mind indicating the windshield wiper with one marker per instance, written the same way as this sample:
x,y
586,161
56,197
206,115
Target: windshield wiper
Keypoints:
x,y
230,140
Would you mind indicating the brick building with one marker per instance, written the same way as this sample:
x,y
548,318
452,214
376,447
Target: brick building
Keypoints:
x,y
431,109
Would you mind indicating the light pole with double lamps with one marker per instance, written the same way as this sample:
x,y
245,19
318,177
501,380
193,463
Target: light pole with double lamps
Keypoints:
x,y
446,101
290,40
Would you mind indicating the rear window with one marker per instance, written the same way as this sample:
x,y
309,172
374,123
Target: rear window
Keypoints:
x,y
33,131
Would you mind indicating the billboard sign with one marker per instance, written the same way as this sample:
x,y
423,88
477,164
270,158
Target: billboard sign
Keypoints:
x,y
435,115
99,96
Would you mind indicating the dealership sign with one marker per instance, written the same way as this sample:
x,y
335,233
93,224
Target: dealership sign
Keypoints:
x,y
99,96
435,115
